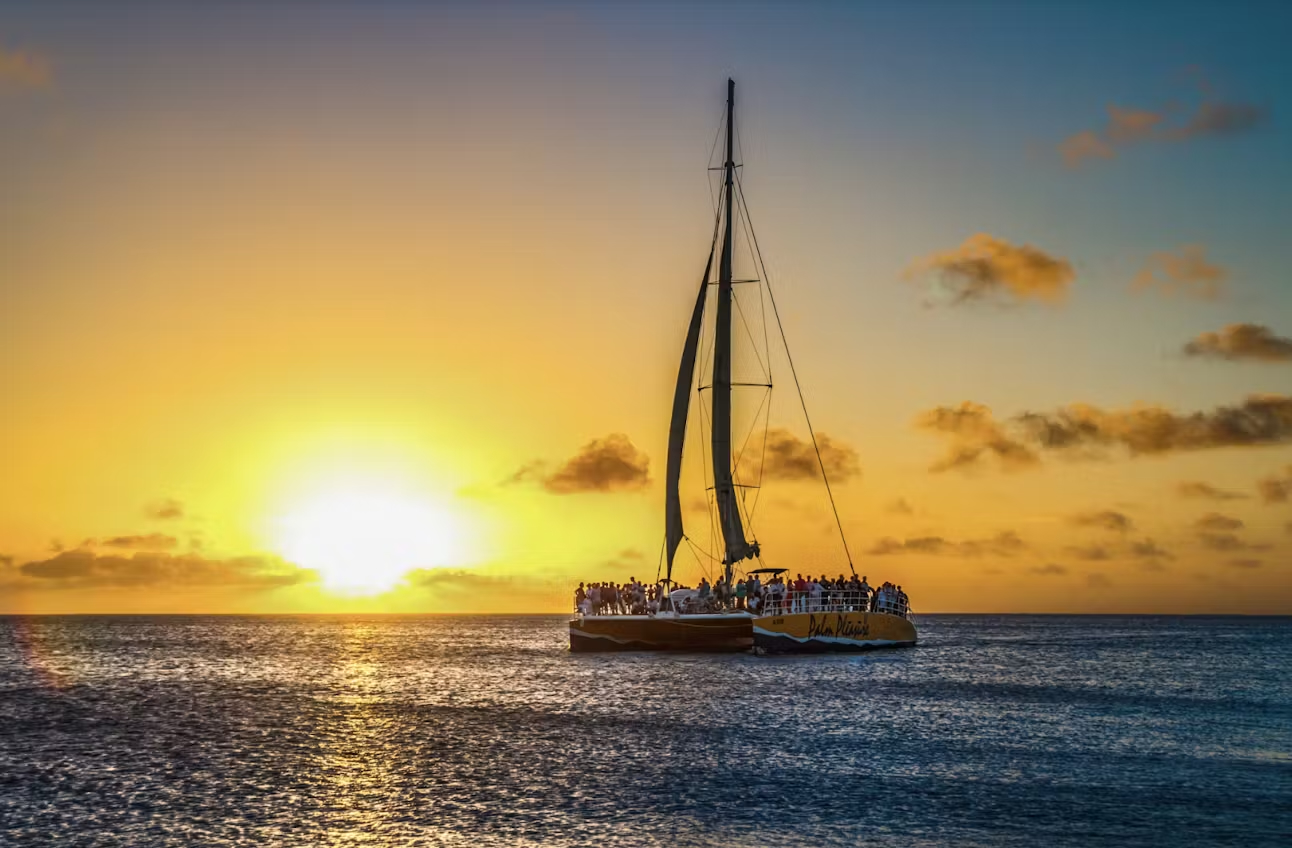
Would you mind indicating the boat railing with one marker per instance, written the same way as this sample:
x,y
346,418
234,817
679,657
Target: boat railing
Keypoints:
x,y
831,600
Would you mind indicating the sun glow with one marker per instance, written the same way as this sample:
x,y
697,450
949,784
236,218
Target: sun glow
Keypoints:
x,y
364,541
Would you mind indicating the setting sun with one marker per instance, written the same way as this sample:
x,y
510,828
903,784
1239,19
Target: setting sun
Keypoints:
x,y
362,541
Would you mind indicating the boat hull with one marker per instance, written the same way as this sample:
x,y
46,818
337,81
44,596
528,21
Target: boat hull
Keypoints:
x,y
716,633
820,632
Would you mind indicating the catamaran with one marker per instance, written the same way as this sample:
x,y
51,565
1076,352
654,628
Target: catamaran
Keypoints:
x,y
788,622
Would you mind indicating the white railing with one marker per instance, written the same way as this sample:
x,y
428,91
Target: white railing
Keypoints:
x,y
780,603
830,600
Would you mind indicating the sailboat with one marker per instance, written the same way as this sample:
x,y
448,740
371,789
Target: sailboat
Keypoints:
x,y
786,623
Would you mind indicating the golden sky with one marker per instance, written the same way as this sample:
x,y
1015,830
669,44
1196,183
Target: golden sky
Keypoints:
x,y
384,312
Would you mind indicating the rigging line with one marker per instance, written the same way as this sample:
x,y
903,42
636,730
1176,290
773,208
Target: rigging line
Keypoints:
x,y
660,563
750,333
802,400
762,462
713,192
698,550
704,453
762,271
748,436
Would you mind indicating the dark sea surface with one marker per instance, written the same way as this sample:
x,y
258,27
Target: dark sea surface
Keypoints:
x,y
996,730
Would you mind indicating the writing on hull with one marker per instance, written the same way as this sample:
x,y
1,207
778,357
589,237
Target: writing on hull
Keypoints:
x,y
838,625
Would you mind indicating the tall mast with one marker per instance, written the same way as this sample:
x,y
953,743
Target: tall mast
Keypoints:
x,y
733,532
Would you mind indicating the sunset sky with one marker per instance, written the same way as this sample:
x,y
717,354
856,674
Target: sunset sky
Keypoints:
x,y
379,306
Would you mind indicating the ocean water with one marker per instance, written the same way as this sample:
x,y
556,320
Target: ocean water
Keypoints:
x,y
996,730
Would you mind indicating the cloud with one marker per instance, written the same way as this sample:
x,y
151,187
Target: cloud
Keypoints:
x,y
144,542
1107,519
1004,543
1227,542
1126,127
901,506
611,464
165,509
1242,341
1098,580
1087,144
1244,563
1185,272
1050,570
1215,117
1217,522
985,268
83,569
1148,549
1082,431
787,457
1205,491
458,578
1275,488
974,434
24,70
1092,553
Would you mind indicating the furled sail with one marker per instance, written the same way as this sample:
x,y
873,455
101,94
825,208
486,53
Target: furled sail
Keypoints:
x,y
677,426
733,531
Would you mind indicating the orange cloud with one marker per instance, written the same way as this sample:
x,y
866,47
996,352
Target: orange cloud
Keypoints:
x,y
1185,272
1214,521
986,268
787,457
142,542
1242,341
1126,127
82,569
1107,519
1004,543
1275,488
974,434
165,509
24,69
602,465
1080,431
1205,491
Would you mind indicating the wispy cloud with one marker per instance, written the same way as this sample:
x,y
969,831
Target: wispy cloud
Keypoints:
x,y
1106,519
1083,431
611,464
1277,488
1205,491
166,509
24,69
139,542
86,569
1237,342
1050,569
1128,127
787,457
1214,521
988,269
901,506
1004,543
1184,272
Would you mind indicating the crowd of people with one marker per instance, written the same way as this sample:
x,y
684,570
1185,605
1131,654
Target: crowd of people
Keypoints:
x,y
777,595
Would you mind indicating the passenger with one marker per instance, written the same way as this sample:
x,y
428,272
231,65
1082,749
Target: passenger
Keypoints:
x,y
815,592
741,590
594,598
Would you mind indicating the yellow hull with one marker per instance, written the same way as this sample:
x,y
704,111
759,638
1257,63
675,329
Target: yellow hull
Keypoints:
x,y
816,632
